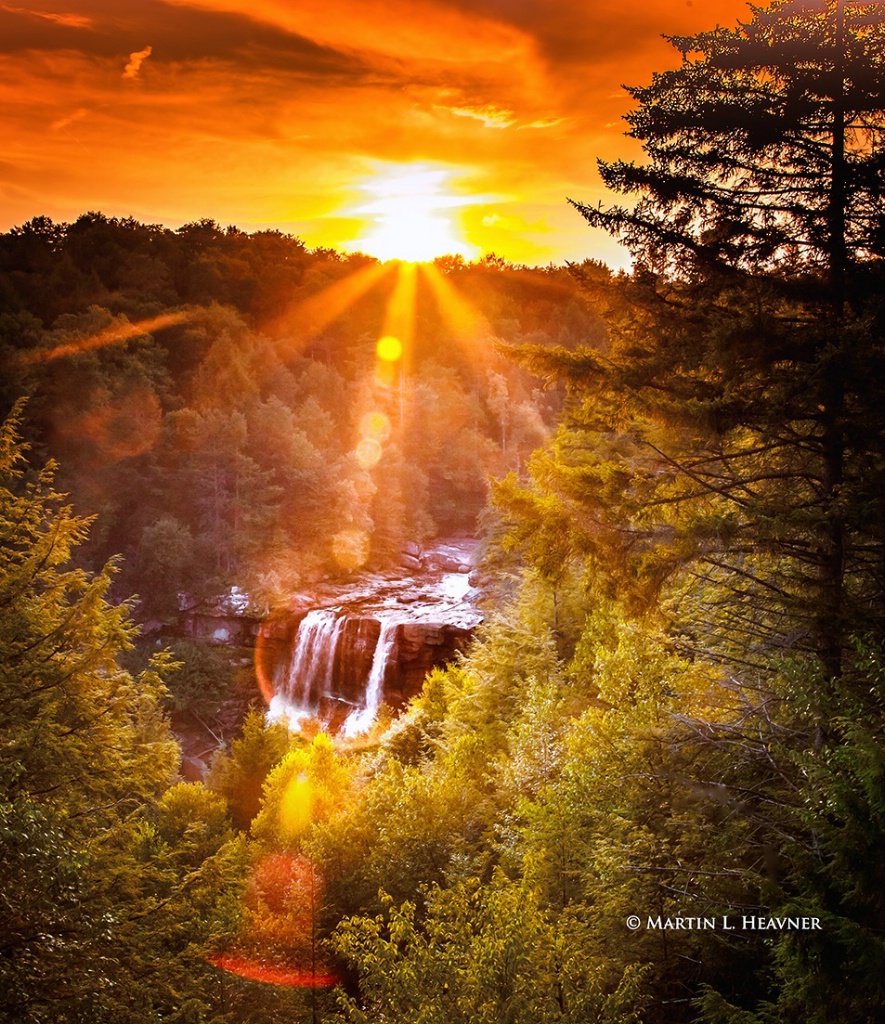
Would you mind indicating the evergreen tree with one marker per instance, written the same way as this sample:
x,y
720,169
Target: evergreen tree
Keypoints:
x,y
721,465
737,412
113,884
239,775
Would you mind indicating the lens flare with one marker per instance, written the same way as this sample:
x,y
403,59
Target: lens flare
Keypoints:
x,y
385,375
256,970
399,318
375,426
274,640
390,349
296,805
278,942
369,452
116,334
116,427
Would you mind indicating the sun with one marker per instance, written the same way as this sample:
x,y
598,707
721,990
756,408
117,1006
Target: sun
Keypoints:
x,y
411,212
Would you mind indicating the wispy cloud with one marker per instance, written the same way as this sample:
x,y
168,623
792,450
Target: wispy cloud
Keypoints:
x,y
542,122
70,20
135,61
68,119
490,115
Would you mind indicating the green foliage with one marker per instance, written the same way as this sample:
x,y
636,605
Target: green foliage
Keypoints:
x,y
755,159
65,697
829,866
675,705
484,952
668,716
305,787
167,563
723,457
192,822
239,776
202,676
744,353
113,882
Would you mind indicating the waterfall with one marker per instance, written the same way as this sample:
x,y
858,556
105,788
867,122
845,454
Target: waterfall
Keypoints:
x,y
309,674
361,719
369,639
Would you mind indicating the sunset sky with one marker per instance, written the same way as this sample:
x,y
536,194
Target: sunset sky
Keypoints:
x,y
400,127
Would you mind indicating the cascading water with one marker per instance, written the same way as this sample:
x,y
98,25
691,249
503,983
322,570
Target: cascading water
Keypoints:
x,y
361,720
313,659
308,675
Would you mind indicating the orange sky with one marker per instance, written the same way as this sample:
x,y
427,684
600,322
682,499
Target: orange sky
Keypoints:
x,y
316,116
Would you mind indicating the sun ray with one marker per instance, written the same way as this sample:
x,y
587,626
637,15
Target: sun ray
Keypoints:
x,y
464,319
470,330
399,321
116,334
313,315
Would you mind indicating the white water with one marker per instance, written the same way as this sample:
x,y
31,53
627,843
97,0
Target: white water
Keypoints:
x,y
313,658
280,710
361,720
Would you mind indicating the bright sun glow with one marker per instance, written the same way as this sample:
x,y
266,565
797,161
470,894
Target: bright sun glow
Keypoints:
x,y
411,208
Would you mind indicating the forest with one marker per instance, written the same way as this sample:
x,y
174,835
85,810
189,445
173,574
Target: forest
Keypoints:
x,y
652,791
